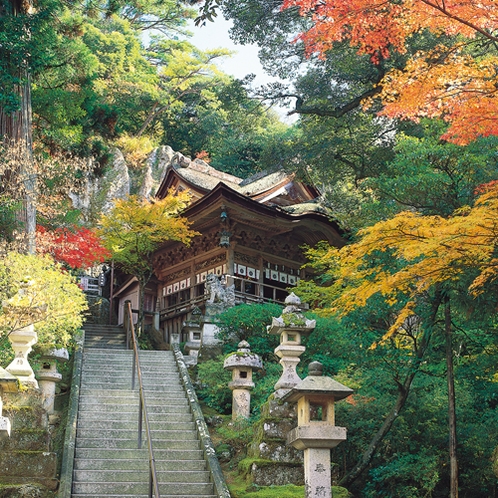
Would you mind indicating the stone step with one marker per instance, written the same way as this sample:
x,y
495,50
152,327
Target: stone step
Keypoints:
x,y
176,392
140,488
95,333
95,391
131,443
96,336
125,416
125,385
159,424
141,455
107,460
110,495
125,380
157,434
150,400
152,397
134,464
129,352
123,476
126,367
125,355
179,409
92,331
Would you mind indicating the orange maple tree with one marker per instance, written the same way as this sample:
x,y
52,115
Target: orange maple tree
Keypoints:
x,y
448,81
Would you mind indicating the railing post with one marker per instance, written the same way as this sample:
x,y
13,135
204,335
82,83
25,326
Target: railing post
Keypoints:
x,y
127,318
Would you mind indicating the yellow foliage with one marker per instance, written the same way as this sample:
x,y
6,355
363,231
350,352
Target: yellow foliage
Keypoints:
x,y
136,227
422,252
34,289
136,149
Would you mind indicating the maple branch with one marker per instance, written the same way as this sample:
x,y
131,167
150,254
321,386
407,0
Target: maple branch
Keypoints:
x,y
337,112
470,25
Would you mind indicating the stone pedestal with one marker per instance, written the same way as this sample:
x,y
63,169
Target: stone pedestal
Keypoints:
x,y
49,377
274,462
193,329
242,363
316,431
22,341
26,457
8,384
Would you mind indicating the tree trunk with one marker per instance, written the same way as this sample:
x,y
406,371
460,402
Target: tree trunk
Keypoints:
x,y
368,454
16,135
403,391
451,401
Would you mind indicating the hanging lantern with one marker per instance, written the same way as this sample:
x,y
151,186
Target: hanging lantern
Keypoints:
x,y
225,238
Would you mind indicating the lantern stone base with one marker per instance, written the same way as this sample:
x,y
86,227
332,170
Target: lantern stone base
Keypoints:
x,y
25,457
276,474
274,462
316,436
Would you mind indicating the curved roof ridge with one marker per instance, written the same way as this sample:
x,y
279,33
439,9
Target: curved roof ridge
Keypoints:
x,y
203,167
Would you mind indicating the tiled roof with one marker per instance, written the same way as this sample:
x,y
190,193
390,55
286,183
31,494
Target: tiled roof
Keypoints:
x,y
204,176
262,184
306,207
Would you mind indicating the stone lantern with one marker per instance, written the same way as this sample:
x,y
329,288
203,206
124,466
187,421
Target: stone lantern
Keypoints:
x,y
292,325
21,341
316,432
193,328
23,338
8,384
242,363
48,376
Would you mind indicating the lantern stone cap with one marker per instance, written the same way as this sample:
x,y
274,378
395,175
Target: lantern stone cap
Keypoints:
x,y
243,358
315,383
60,354
8,383
292,318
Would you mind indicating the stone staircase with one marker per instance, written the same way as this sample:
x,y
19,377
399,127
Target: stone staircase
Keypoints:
x,y
107,461
104,336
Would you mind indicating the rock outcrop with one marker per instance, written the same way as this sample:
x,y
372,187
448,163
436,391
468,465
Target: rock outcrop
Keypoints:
x,y
119,180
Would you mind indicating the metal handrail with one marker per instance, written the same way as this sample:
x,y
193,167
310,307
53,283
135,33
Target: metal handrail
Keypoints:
x,y
130,332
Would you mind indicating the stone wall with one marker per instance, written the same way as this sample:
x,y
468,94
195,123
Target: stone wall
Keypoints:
x,y
270,461
28,464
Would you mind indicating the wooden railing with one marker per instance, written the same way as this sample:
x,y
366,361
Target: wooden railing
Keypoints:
x,y
240,296
142,416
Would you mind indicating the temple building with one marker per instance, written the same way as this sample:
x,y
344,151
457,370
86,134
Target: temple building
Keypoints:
x,y
252,236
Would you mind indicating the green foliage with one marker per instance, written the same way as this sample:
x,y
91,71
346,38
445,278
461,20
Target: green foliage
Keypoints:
x,y
406,476
241,490
213,390
238,434
248,322
431,176
212,387
21,55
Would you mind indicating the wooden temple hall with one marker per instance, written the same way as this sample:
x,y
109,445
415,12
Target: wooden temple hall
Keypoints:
x,y
252,234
